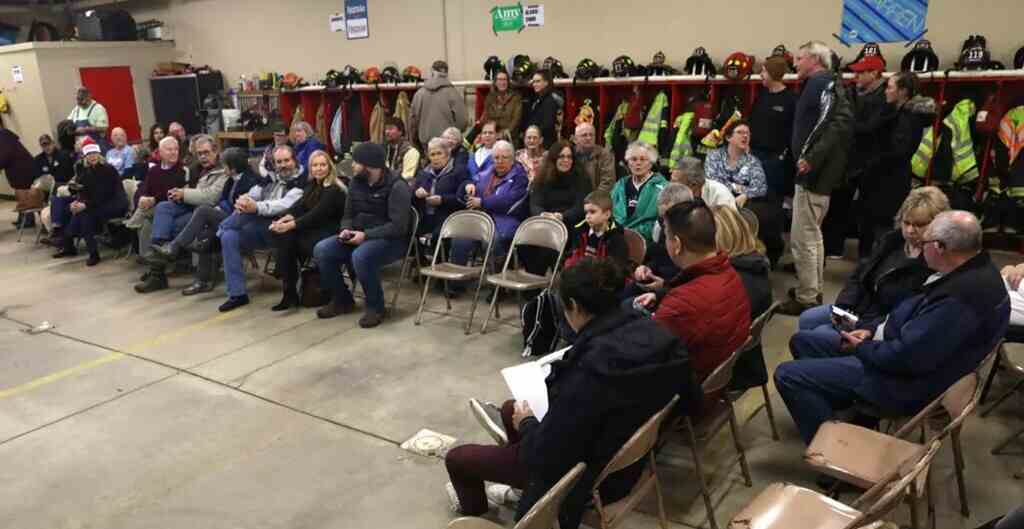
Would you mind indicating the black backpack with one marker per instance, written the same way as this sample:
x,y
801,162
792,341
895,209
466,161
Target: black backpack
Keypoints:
x,y
540,321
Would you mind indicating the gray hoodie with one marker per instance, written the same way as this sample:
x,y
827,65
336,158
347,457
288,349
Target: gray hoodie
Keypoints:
x,y
435,107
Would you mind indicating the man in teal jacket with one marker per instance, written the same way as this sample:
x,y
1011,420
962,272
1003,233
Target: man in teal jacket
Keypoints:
x,y
635,198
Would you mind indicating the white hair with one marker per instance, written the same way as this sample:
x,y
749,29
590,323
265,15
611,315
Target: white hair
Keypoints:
x,y
438,143
692,170
958,230
585,125
502,145
167,139
637,146
820,51
674,194
454,132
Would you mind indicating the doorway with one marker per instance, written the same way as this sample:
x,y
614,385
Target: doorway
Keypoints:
x,y
114,88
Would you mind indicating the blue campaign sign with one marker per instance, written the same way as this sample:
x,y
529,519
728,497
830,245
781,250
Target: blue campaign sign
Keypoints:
x,y
357,20
883,20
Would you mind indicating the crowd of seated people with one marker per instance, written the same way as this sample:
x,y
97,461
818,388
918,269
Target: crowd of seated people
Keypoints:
x,y
929,302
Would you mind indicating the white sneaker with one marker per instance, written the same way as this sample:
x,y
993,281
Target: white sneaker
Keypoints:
x,y
489,416
456,507
501,494
453,498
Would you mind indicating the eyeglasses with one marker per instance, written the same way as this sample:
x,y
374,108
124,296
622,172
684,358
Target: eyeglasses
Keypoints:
x,y
204,153
637,159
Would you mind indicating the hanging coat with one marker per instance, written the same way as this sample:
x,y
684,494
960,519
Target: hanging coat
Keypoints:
x,y
402,111
377,116
337,124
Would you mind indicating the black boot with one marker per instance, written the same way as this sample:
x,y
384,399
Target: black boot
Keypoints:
x,y
66,250
234,302
333,309
288,300
94,259
155,281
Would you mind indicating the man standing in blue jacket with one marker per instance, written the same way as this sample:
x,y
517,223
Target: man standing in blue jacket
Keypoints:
x,y
925,345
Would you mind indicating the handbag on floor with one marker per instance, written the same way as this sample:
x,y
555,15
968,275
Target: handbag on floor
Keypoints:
x,y
32,198
310,293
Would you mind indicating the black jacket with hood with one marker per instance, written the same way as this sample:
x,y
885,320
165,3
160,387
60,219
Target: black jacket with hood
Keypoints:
x,y
885,182
872,301
622,370
754,269
543,112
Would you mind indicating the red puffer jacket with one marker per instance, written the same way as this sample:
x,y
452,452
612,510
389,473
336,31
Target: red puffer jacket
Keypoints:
x,y
708,309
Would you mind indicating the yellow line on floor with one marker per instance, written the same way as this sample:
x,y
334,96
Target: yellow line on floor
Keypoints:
x,y
110,357
53,377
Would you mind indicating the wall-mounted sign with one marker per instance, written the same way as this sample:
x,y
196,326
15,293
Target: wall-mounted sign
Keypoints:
x,y
357,22
18,74
883,20
516,17
336,22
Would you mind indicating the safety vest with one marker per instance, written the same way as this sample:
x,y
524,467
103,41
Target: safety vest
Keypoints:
x,y
682,146
965,165
654,122
1011,134
609,131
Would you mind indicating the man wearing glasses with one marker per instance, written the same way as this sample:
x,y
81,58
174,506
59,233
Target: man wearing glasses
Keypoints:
x,y
203,187
923,347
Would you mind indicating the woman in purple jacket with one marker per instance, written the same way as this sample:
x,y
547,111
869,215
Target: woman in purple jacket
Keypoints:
x,y
500,192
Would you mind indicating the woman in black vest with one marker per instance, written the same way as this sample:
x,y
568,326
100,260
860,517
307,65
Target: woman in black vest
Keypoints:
x,y
316,216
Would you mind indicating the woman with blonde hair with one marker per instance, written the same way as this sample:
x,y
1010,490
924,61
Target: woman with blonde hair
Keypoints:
x,y
316,216
736,235
893,272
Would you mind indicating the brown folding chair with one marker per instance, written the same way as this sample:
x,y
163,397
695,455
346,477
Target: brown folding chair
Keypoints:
x,y
786,506
534,231
636,448
756,329
699,434
543,514
637,246
467,225
862,457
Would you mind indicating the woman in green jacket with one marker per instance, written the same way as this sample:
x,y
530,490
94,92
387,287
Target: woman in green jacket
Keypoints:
x,y
634,198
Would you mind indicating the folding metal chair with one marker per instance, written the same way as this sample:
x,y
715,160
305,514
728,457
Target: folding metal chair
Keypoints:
x,y
463,225
534,231
543,514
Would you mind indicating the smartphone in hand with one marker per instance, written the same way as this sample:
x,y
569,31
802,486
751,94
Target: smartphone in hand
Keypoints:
x,y
843,320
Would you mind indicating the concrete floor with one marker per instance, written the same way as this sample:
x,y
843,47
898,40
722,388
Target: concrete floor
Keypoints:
x,y
157,411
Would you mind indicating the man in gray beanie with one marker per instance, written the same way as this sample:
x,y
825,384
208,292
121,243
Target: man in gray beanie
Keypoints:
x,y
436,106
374,233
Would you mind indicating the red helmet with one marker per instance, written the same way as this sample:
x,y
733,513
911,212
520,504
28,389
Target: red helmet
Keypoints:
x,y
738,66
371,75
412,74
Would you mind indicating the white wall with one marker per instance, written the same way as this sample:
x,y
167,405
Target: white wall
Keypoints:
x,y
246,36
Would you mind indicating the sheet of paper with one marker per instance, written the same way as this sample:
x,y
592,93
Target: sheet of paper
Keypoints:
x,y
526,381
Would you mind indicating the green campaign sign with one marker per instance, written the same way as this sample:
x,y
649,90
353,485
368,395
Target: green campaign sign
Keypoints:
x,y
507,18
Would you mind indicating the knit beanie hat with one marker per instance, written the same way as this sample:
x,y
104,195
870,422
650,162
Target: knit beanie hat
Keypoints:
x,y
776,67
89,146
370,155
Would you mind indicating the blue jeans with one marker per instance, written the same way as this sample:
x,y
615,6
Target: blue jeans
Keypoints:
x,y
238,233
816,388
367,259
60,210
816,337
169,218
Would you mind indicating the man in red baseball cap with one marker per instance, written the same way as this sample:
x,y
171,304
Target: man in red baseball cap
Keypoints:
x,y
868,105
